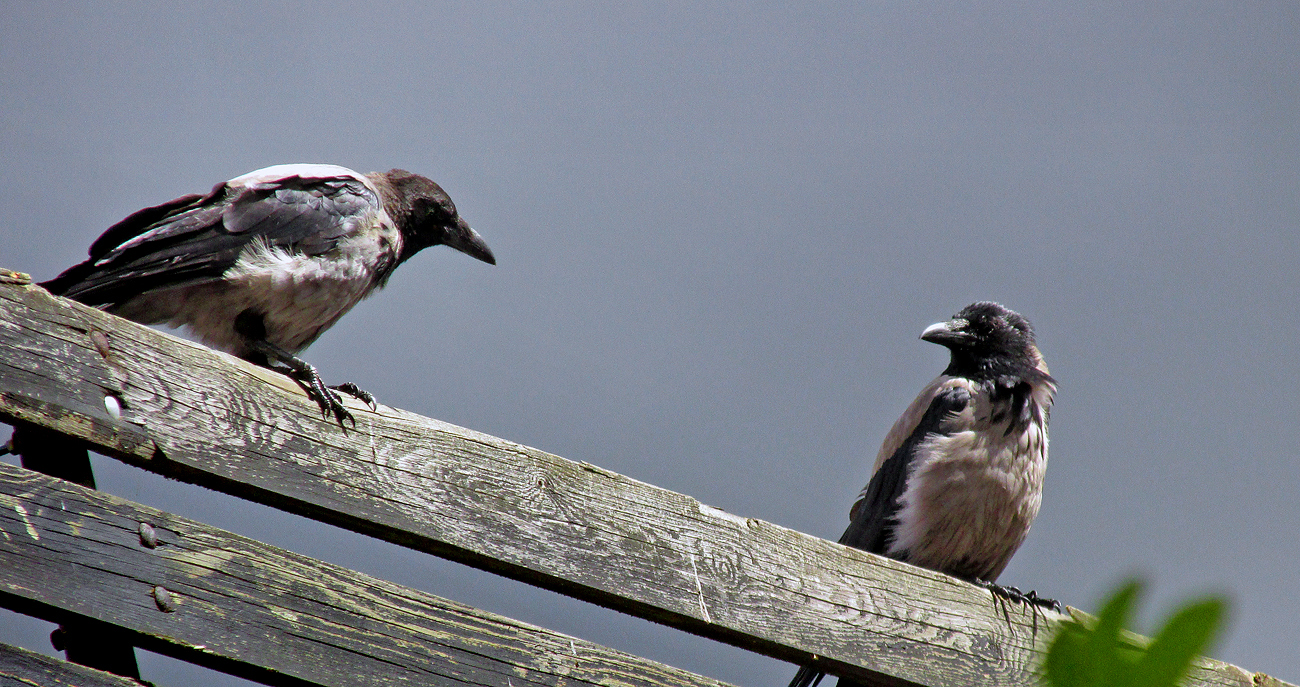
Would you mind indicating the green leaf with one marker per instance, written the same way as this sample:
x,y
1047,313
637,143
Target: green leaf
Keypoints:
x,y
1105,661
1101,656
1186,636
1066,662
1079,657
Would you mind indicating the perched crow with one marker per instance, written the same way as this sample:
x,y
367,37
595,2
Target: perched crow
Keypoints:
x,y
959,478
264,263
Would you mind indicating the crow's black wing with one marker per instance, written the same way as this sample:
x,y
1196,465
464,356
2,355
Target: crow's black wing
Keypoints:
x,y
195,238
872,518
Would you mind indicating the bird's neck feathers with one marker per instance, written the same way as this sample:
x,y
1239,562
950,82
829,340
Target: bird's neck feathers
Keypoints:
x,y
1019,385
401,195
399,207
396,205
1004,368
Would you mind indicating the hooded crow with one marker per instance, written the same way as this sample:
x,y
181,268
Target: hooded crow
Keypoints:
x,y
959,478
264,263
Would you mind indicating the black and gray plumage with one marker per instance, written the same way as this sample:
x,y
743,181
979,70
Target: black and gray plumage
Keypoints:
x,y
959,478
264,263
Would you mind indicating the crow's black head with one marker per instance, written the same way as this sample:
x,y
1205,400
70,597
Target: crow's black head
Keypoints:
x,y
986,340
427,217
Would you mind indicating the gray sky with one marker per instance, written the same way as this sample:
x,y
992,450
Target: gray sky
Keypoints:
x,y
720,230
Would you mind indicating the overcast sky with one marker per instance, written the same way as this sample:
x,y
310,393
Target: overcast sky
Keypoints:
x,y
720,230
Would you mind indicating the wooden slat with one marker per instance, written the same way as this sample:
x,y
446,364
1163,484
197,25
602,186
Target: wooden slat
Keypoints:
x,y
204,417
22,668
217,599
58,455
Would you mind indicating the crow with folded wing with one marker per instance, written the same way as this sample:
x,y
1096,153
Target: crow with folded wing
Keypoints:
x,y
959,478
264,263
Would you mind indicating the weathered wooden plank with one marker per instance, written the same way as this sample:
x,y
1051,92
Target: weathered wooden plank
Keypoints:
x,y
22,668
204,417
234,604
47,451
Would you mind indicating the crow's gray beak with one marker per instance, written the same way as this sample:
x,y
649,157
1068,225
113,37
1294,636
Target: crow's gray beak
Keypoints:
x,y
469,242
950,333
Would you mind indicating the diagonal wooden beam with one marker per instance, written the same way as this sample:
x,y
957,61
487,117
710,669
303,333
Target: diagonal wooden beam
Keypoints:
x,y
214,598
22,668
193,414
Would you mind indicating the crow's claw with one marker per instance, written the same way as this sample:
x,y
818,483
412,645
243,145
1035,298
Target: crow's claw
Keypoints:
x,y
331,404
301,371
1013,594
1033,598
357,392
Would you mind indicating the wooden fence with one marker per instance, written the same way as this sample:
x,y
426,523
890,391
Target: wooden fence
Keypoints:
x,y
84,558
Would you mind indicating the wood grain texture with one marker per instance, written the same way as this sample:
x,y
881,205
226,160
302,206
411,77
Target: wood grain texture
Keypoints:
x,y
201,416
47,451
211,597
22,668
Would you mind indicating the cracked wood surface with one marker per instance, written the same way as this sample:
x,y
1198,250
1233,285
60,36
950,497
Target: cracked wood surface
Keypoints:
x,y
22,668
204,595
216,599
194,414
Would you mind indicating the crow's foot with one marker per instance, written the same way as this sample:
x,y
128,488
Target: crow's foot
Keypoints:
x,y
331,404
1031,598
357,392
251,326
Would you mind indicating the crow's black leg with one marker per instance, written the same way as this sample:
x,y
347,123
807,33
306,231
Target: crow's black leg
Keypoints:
x,y
1012,594
250,325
